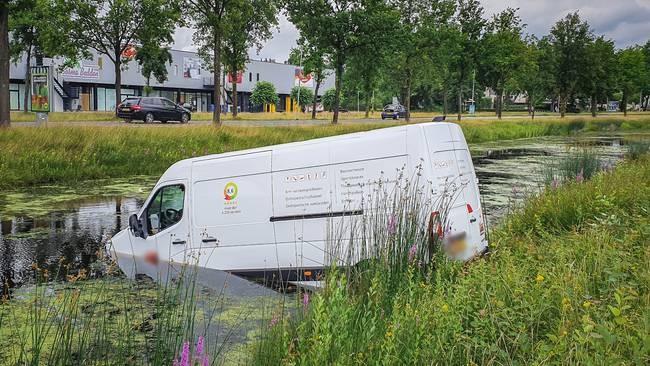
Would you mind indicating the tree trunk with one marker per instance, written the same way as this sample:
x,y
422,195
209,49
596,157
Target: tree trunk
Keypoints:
x,y
499,103
337,94
28,78
234,97
367,101
118,79
594,106
624,106
216,66
407,97
445,102
4,65
315,102
562,105
460,101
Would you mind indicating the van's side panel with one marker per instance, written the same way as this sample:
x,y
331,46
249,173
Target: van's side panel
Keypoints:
x,y
232,202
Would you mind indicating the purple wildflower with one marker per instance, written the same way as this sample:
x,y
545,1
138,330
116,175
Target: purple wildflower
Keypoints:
x,y
305,299
580,177
185,355
274,321
555,183
199,346
392,226
412,252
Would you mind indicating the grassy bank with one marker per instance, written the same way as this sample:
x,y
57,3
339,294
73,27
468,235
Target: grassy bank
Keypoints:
x,y
567,282
30,156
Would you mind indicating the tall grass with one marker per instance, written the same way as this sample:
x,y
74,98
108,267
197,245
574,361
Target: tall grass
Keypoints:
x,y
577,165
31,156
566,283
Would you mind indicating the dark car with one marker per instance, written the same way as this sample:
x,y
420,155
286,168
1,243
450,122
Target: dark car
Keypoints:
x,y
149,109
393,111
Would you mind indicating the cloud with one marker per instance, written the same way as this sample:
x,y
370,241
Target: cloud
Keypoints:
x,y
627,22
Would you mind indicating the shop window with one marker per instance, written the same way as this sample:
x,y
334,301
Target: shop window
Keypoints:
x,y
258,76
250,76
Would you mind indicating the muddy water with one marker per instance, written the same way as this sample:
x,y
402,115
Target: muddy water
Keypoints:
x,y
41,225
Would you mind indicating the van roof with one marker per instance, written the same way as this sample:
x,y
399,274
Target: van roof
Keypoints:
x,y
387,130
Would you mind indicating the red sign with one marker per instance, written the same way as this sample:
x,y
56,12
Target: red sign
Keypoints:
x,y
129,52
240,76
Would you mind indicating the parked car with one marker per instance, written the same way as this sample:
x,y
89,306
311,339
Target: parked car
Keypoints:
x,y
393,111
149,109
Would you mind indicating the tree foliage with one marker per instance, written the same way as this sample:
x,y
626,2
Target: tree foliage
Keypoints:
x,y
112,27
264,93
303,95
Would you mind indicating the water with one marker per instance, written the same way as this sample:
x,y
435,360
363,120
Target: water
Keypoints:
x,y
41,225
46,224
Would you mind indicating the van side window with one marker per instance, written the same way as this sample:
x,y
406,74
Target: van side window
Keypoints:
x,y
165,209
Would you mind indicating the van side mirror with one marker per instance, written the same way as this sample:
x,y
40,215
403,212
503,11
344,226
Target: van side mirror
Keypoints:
x,y
136,226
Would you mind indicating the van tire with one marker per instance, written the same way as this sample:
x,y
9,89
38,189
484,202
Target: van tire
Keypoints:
x,y
148,118
185,118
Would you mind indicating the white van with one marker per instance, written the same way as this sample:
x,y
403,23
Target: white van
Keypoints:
x,y
256,212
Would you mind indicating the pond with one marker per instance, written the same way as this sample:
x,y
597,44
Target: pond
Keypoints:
x,y
42,224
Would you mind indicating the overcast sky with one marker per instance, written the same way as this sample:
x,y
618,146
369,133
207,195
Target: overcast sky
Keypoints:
x,y
627,22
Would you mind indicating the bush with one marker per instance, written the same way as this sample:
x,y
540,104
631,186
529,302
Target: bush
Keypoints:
x,y
306,95
264,93
328,100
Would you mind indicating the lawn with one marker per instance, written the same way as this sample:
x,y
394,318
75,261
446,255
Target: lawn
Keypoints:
x,y
31,156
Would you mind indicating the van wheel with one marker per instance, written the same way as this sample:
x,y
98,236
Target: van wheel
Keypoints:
x,y
395,117
185,118
148,118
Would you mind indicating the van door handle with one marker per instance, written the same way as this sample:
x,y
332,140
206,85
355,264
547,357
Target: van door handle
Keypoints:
x,y
209,240
178,242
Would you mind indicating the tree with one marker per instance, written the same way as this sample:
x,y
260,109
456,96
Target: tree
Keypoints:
x,y
153,60
207,18
4,65
329,100
336,27
631,73
600,74
420,24
646,89
503,52
264,93
113,27
532,77
303,95
248,23
314,62
470,24
569,40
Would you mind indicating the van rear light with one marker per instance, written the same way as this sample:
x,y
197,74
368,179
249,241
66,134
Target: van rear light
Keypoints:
x,y
469,208
435,219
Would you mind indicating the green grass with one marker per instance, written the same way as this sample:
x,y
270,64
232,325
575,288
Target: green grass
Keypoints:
x,y
567,282
31,156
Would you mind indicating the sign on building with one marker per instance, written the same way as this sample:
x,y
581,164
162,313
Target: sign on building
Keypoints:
x,y
192,67
300,79
40,89
88,72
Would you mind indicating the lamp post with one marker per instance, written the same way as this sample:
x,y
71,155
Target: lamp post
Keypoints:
x,y
299,81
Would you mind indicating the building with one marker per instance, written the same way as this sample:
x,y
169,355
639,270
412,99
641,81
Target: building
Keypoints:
x,y
89,86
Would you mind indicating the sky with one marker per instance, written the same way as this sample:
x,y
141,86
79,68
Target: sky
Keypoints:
x,y
627,22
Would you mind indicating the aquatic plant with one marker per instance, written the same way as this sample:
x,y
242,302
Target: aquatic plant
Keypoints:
x,y
579,164
636,149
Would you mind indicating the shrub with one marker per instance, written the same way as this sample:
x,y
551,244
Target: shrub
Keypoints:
x,y
264,93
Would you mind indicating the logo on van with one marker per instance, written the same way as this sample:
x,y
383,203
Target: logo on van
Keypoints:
x,y
230,191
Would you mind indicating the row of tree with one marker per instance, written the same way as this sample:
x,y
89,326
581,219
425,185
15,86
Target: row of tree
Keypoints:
x,y
224,31
425,51
433,51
